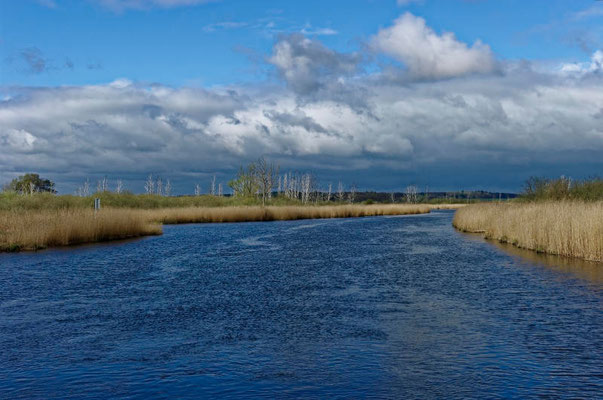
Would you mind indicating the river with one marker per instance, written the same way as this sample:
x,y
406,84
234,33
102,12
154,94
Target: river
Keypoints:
x,y
379,307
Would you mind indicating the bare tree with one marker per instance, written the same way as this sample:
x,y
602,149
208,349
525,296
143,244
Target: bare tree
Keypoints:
x,y
340,192
197,189
149,185
119,187
168,188
393,197
102,185
411,194
212,189
159,186
305,187
265,173
220,189
285,186
84,190
352,194
329,193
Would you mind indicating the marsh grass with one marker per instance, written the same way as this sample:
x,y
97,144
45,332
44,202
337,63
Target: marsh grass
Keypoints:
x,y
37,229
567,228
32,230
277,213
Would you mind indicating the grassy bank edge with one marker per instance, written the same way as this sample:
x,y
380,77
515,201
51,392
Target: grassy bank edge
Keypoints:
x,y
564,228
39,229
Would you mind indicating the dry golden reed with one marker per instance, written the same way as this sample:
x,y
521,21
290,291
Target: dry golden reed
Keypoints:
x,y
567,228
30,230
452,206
277,213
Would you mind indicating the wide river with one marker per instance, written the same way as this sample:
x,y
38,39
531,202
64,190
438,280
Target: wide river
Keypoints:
x,y
380,307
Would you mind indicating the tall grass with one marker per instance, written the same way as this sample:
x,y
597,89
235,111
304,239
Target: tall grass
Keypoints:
x,y
31,230
567,228
255,213
36,229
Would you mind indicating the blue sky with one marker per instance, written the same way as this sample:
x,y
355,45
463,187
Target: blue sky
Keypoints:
x,y
216,43
283,69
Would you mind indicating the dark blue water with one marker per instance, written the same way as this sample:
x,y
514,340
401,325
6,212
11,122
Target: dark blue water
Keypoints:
x,y
385,307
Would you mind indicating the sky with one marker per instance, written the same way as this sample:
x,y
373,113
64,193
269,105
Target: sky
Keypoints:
x,y
382,94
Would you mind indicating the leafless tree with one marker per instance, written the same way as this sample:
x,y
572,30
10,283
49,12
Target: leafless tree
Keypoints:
x,y
265,173
393,197
411,194
212,189
159,186
352,194
168,188
119,187
220,189
305,186
149,185
197,189
340,192
285,186
329,193
102,185
86,188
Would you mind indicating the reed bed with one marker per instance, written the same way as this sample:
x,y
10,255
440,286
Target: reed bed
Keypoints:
x,y
32,230
567,228
246,214
452,206
37,229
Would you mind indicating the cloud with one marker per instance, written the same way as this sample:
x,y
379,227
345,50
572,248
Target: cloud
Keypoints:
x,y
428,55
306,65
505,122
34,60
309,30
331,117
224,25
595,66
595,10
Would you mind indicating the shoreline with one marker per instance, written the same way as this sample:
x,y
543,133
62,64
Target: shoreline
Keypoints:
x,y
564,228
34,230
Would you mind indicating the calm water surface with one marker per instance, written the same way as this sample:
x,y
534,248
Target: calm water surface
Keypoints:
x,y
385,307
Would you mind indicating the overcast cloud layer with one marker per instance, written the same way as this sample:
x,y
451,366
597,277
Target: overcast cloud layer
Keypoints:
x,y
448,104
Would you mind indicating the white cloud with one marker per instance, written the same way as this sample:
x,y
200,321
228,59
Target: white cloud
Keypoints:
x,y
307,65
514,119
428,55
224,25
579,69
314,31
595,10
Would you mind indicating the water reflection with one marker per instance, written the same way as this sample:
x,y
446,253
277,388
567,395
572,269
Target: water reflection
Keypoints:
x,y
587,270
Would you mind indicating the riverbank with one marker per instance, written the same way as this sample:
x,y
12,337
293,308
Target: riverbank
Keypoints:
x,y
566,228
38,229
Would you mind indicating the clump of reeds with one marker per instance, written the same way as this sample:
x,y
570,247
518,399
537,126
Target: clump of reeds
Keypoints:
x,y
31,230
568,228
36,229
451,206
254,213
